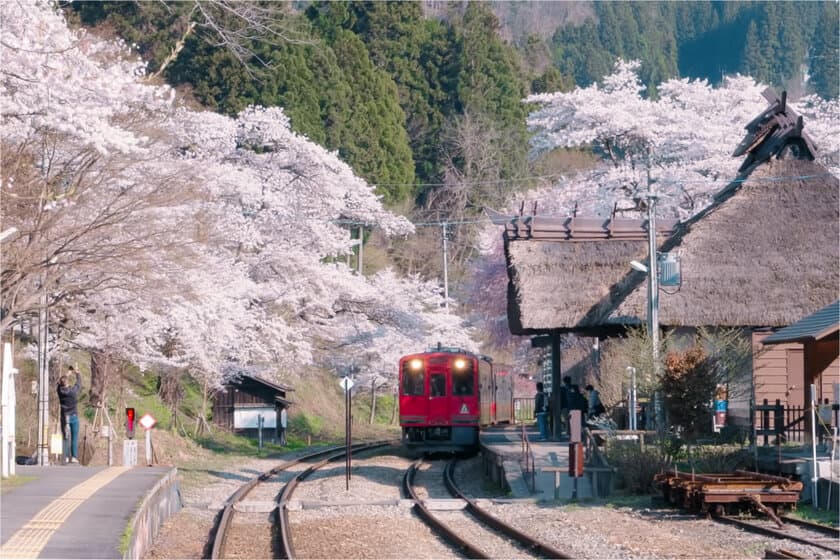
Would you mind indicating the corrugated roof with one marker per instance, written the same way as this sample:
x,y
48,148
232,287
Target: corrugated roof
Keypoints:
x,y
817,326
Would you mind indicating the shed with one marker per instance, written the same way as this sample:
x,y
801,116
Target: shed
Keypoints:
x,y
238,405
816,338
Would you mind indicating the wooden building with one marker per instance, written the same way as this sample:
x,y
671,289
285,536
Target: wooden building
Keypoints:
x,y
763,255
239,405
800,355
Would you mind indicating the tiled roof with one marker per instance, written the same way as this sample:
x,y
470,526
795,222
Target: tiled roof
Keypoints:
x,y
817,326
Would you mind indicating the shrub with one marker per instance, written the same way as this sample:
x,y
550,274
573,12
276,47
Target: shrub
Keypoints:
x,y
635,466
304,423
717,459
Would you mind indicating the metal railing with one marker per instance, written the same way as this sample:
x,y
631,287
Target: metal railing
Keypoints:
x,y
523,409
529,469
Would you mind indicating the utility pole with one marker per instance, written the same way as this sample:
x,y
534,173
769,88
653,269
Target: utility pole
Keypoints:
x,y
653,280
444,227
360,263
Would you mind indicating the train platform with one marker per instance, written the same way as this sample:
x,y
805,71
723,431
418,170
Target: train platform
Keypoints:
x,y
74,511
548,479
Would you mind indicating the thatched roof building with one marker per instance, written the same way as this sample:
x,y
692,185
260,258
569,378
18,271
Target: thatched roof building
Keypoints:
x,y
564,273
765,253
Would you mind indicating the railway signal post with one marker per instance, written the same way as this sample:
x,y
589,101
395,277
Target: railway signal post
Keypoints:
x,y
347,384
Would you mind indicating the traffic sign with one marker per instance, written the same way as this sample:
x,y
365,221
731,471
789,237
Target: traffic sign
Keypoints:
x,y
148,421
346,383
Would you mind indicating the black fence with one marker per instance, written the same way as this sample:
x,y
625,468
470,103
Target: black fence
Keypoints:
x,y
781,423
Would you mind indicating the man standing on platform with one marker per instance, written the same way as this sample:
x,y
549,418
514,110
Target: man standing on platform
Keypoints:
x,y
565,402
68,399
541,411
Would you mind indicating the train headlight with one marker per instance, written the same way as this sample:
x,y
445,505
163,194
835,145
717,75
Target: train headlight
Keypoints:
x,y
416,364
460,363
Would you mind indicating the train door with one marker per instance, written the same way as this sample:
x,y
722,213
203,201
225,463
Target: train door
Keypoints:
x,y
438,396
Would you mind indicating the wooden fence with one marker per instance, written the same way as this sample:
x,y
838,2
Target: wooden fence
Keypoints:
x,y
782,423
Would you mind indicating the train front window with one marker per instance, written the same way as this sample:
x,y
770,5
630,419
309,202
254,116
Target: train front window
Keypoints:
x,y
413,377
437,385
463,377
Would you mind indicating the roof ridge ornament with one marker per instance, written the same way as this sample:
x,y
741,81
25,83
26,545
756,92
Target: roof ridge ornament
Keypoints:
x,y
777,131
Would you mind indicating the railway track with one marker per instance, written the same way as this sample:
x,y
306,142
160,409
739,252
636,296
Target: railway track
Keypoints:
x,y
487,527
221,532
793,529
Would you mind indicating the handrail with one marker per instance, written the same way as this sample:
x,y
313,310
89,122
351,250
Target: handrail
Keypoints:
x,y
528,464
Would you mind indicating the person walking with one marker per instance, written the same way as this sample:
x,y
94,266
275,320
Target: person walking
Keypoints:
x,y
283,422
68,400
541,410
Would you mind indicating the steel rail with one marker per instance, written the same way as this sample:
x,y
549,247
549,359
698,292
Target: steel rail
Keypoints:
x,y
221,529
284,531
817,527
781,554
464,546
529,542
747,526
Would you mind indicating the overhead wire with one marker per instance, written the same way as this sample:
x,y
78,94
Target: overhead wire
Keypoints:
x,y
771,179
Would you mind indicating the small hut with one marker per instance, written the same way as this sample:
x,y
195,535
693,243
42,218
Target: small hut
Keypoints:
x,y
242,402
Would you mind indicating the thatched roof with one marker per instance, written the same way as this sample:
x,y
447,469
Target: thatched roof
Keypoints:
x,y
765,253
564,272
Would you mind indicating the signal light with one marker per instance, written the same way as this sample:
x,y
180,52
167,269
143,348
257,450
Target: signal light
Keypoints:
x,y
129,423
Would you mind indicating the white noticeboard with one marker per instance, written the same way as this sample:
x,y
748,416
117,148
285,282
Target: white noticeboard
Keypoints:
x,y
249,417
346,383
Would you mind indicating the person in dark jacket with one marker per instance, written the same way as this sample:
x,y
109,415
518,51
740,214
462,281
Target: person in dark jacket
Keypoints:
x,y
577,401
68,399
541,410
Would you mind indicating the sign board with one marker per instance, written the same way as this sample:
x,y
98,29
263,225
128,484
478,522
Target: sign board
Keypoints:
x,y
346,383
245,418
148,421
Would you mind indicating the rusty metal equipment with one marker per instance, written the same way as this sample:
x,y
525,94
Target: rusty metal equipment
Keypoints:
x,y
729,493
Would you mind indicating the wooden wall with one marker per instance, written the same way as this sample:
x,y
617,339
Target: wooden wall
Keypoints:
x,y
771,367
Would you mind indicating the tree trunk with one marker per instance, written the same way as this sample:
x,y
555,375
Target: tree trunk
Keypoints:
x,y
396,406
372,400
99,363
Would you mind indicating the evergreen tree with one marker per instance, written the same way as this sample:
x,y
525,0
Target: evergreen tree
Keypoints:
x,y
823,67
755,63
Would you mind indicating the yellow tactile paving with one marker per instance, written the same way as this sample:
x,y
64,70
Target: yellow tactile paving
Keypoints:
x,y
31,539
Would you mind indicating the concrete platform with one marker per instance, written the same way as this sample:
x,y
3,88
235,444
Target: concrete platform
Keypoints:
x,y
504,458
74,511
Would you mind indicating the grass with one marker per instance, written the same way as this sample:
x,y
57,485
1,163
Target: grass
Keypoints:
x,y
15,482
809,513
125,538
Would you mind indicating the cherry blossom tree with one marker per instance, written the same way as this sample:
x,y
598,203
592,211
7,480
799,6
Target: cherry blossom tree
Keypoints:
x,y
678,145
175,238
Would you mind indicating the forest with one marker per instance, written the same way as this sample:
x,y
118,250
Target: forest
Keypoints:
x,y
423,100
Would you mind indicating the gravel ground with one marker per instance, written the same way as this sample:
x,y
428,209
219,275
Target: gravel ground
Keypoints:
x,y
371,522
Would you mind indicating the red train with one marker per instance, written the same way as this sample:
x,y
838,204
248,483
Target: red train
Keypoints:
x,y
447,394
